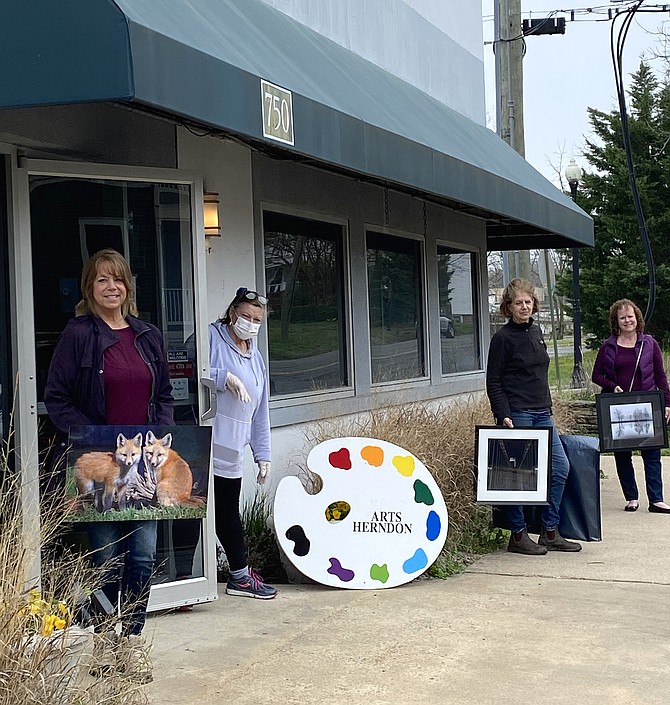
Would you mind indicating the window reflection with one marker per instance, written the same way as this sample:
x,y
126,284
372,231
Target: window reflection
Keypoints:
x,y
394,286
459,321
304,277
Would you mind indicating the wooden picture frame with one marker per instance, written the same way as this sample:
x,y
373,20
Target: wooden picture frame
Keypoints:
x,y
512,465
631,421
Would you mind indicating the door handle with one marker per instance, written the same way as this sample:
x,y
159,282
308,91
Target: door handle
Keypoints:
x,y
210,388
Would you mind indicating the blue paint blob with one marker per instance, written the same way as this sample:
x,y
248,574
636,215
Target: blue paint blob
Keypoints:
x,y
433,526
417,562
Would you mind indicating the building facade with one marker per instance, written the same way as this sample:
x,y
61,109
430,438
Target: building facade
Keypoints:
x,y
344,148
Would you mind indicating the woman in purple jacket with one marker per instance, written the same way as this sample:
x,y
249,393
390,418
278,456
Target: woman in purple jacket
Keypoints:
x,y
631,361
109,368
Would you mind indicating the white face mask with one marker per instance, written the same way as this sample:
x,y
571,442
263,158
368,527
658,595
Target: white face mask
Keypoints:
x,y
245,329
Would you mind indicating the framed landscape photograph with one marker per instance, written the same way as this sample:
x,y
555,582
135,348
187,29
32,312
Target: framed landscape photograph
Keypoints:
x,y
512,465
631,421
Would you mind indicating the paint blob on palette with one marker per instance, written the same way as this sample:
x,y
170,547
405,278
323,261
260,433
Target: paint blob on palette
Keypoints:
x,y
378,521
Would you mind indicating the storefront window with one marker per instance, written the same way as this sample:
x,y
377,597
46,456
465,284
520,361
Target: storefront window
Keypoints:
x,y
305,282
459,322
394,292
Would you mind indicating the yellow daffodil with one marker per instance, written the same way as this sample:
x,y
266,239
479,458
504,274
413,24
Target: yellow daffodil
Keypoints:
x,y
46,616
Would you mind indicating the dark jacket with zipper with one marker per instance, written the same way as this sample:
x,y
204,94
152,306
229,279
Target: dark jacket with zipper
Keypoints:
x,y
517,370
647,350
75,389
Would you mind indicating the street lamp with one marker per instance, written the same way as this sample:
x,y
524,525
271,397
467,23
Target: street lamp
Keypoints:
x,y
573,175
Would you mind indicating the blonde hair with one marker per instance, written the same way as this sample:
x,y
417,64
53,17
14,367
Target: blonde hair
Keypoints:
x,y
241,297
119,267
515,287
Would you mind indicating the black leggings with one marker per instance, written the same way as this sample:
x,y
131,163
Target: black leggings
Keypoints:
x,y
228,522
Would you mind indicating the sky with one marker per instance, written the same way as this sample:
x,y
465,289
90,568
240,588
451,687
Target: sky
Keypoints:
x,y
566,74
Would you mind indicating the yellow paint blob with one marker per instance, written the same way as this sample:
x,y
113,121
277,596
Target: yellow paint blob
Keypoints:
x,y
404,464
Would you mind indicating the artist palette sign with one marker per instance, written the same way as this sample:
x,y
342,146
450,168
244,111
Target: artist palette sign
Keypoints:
x,y
378,521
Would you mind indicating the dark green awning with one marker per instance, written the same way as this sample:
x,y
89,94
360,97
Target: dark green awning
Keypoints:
x,y
202,60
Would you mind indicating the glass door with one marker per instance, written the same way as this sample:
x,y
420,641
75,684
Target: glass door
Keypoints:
x,y
154,219
5,333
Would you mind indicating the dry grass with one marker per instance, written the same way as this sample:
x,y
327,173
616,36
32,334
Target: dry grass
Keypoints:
x,y
35,669
563,413
443,438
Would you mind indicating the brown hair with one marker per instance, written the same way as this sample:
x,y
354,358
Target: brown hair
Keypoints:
x,y
119,267
614,315
515,287
241,298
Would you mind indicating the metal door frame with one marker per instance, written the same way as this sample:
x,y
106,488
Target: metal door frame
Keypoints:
x,y
164,595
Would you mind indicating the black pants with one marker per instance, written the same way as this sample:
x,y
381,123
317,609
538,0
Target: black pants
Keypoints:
x,y
228,522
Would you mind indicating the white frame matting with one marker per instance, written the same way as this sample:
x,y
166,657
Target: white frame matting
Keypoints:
x,y
540,435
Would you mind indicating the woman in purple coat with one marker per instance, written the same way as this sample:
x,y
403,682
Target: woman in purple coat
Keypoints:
x,y
109,368
631,360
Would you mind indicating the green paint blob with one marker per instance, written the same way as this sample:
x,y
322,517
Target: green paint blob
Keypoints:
x,y
422,493
379,572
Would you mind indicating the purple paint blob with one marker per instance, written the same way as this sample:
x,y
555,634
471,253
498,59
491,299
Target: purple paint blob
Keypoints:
x,y
344,574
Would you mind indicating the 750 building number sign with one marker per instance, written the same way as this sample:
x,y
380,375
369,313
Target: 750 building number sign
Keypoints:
x,y
277,113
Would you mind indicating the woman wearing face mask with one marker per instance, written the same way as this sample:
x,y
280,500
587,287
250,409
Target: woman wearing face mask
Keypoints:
x,y
242,419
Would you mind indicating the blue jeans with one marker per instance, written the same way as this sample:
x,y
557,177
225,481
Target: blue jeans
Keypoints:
x,y
652,474
560,467
133,545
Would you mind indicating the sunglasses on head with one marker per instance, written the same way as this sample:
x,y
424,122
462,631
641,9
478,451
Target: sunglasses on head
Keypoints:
x,y
245,294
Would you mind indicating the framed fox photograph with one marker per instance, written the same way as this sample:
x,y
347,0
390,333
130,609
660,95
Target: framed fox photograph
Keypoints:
x,y
513,465
138,472
631,420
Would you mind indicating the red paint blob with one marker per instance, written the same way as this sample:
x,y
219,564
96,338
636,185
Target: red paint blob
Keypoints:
x,y
340,459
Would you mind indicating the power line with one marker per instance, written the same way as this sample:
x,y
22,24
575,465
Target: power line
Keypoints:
x,y
617,47
592,13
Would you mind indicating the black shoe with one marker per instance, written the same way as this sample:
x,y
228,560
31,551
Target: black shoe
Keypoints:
x,y
558,543
522,543
658,510
630,507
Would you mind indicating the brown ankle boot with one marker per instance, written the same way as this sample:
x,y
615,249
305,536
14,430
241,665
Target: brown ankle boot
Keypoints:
x,y
522,543
555,542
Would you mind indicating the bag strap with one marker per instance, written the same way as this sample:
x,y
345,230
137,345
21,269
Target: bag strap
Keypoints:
x,y
637,363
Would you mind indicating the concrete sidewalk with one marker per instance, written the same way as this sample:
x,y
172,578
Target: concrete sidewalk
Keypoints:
x,y
592,627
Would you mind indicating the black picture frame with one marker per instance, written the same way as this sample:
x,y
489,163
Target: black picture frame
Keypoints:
x,y
111,475
512,465
631,420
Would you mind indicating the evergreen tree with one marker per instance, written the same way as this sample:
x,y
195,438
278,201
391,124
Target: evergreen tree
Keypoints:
x,y
616,267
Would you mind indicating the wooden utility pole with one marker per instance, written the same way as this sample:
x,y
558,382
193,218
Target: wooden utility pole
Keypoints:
x,y
509,101
509,73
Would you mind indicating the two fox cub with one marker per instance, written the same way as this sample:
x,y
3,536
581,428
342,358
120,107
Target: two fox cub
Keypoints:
x,y
116,476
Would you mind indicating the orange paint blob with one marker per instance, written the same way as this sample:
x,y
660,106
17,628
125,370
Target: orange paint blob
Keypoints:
x,y
373,455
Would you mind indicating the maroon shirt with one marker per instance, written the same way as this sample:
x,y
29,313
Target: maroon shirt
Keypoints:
x,y
624,365
128,382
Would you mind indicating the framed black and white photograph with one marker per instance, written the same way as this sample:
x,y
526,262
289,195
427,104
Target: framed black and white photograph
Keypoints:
x,y
512,465
631,421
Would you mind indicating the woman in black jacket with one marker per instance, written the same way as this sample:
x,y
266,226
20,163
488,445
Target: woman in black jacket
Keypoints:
x,y
517,384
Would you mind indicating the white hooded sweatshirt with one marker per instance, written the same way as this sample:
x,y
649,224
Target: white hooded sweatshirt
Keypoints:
x,y
237,423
